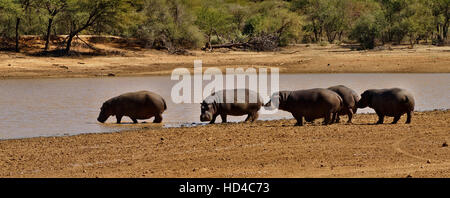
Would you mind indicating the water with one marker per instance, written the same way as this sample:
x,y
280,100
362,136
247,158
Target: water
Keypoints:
x,y
54,107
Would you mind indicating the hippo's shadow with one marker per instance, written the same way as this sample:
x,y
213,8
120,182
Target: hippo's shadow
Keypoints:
x,y
365,124
129,123
369,124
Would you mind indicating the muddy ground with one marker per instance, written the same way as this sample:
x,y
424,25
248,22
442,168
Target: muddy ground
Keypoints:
x,y
260,149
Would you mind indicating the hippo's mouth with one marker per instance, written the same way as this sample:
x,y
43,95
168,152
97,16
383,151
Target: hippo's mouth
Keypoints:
x,y
205,118
101,120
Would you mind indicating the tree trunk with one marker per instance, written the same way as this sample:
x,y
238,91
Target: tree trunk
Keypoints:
x,y
209,43
17,34
49,29
445,31
69,43
438,34
316,35
320,34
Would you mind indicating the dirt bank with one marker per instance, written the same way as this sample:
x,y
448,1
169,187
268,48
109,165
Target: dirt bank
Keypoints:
x,y
261,149
293,59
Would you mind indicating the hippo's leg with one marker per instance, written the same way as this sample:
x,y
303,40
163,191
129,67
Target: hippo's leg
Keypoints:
x,y
118,118
396,118
350,115
380,118
134,120
408,118
224,118
333,118
158,118
299,119
248,117
328,119
337,119
213,119
254,117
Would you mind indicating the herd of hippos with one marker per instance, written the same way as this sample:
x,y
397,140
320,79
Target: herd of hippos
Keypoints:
x,y
310,104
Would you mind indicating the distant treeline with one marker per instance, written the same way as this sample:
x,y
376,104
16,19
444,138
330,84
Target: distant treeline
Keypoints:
x,y
182,24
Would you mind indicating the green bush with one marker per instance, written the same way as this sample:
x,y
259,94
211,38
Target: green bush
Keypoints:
x,y
366,31
162,28
273,18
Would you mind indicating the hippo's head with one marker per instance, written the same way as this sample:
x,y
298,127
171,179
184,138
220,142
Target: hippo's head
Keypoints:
x,y
278,100
356,97
207,111
366,99
105,112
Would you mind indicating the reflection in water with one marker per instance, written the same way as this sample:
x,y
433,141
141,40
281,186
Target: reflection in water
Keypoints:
x,y
48,107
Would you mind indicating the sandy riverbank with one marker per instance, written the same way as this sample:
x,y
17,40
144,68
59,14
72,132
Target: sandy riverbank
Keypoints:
x,y
293,59
260,149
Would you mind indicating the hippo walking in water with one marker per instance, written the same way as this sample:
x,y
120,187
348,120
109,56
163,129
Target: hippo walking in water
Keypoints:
x,y
388,102
139,105
240,102
309,103
350,98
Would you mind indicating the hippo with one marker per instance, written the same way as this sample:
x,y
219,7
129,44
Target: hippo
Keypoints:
x,y
309,103
216,104
136,105
350,98
388,102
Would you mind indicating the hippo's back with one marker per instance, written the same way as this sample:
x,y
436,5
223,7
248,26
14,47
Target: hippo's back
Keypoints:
x,y
394,101
140,103
314,103
349,97
236,101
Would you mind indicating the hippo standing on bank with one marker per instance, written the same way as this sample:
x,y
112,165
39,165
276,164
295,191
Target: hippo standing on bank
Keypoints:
x,y
139,105
240,102
309,103
350,98
388,102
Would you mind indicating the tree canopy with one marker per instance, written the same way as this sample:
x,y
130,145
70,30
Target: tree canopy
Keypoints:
x,y
183,24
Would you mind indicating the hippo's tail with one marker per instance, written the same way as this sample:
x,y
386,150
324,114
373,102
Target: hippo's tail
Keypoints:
x,y
409,100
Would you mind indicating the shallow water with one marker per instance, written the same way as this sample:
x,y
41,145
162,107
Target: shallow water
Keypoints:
x,y
53,107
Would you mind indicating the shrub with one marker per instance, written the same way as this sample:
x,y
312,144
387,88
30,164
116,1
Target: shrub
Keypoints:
x,y
366,31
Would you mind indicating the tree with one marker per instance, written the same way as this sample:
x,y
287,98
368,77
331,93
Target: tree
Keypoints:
x,y
22,7
441,14
417,21
334,21
82,14
53,7
168,24
239,15
315,12
212,21
8,13
366,30
274,19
